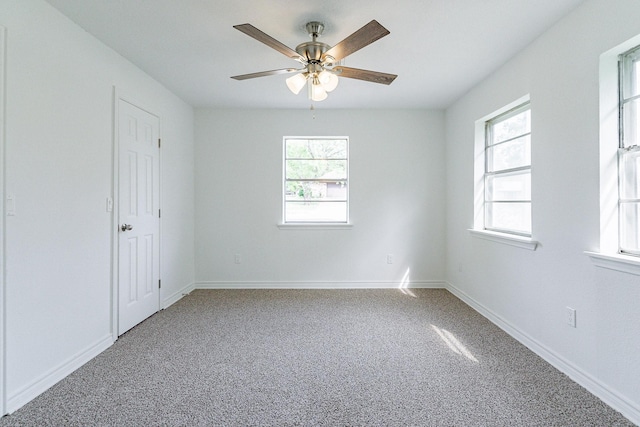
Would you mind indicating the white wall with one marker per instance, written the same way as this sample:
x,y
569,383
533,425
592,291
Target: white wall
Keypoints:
x,y
59,167
396,200
527,291
59,142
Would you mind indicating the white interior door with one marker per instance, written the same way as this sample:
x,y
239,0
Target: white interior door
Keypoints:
x,y
138,213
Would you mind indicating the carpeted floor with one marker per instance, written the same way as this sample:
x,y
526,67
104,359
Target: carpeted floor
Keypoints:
x,y
316,357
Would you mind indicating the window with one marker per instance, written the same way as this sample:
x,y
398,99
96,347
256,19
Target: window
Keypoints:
x,y
629,152
507,172
619,164
316,188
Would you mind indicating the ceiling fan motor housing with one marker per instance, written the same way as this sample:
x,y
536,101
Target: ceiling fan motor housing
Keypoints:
x,y
312,52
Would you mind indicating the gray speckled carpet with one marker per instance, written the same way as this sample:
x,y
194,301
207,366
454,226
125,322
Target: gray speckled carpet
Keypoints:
x,y
316,357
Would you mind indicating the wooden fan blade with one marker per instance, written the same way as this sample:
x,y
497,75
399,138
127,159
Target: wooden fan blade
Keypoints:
x,y
356,41
265,73
252,31
370,76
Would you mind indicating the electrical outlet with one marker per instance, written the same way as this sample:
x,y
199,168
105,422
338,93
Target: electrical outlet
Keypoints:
x,y
571,317
237,259
390,259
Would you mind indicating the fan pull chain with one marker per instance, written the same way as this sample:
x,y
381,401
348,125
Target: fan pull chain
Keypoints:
x,y
313,112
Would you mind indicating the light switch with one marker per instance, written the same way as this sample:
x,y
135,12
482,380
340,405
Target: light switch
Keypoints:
x,y
11,205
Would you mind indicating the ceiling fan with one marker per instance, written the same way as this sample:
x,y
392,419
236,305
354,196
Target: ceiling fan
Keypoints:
x,y
321,62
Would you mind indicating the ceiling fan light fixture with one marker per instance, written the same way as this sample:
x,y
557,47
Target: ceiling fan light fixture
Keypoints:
x,y
317,92
328,80
297,82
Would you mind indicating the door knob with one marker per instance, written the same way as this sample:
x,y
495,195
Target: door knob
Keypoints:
x,y
126,227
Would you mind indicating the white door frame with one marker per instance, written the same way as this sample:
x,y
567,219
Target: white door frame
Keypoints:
x,y
115,197
3,343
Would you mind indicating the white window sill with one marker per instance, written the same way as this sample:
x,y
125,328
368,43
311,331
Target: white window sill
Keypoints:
x,y
507,239
617,262
314,226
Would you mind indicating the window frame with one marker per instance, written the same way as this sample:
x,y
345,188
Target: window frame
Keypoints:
x,y
489,125
628,81
313,223
607,255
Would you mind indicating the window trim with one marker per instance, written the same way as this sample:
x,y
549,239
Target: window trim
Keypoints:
x,y
617,262
313,225
507,239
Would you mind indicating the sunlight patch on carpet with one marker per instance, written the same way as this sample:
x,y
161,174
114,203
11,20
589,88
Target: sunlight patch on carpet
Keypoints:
x,y
453,343
404,284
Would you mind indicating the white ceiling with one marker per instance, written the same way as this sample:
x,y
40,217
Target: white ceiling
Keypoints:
x,y
438,48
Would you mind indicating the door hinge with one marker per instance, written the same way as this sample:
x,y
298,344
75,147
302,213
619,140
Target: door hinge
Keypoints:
x,y
159,284
159,213
159,142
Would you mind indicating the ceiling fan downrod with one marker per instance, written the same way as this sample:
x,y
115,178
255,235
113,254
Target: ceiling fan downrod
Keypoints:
x,y
315,29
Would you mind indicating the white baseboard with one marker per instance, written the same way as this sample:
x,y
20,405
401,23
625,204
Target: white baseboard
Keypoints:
x,y
593,385
427,284
176,296
49,379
